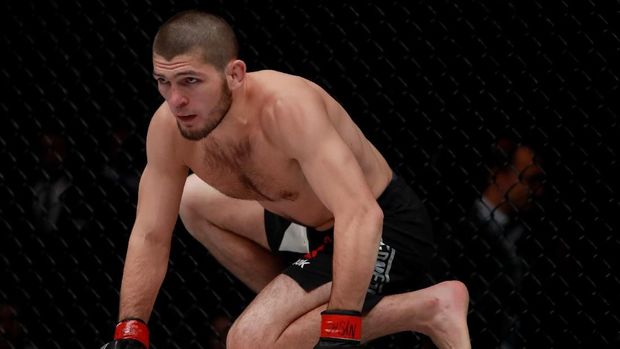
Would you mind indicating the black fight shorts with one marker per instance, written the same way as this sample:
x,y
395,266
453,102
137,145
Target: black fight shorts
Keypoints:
x,y
402,260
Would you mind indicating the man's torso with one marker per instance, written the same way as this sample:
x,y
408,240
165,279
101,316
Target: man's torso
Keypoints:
x,y
253,168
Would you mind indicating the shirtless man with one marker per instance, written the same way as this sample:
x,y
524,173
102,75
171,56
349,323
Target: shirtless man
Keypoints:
x,y
279,169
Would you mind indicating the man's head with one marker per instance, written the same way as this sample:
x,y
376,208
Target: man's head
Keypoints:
x,y
516,181
200,33
196,67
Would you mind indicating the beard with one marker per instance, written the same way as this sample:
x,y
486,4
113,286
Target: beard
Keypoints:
x,y
214,118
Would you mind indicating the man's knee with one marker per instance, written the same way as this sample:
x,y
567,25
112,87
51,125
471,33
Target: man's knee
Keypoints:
x,y
246,334
195,198
235,339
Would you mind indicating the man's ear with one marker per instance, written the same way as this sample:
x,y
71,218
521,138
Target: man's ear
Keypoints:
x,y
235,73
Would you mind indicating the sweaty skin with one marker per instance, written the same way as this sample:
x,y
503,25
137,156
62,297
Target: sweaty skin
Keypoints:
x,y
274,138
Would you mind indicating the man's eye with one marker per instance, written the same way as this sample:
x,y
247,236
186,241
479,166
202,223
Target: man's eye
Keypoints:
x,y
191,80
162,81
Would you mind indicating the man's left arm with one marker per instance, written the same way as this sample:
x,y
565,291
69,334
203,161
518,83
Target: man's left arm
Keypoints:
x,y
335,175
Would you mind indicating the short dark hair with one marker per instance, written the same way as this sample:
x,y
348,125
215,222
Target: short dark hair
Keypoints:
x,y
194,29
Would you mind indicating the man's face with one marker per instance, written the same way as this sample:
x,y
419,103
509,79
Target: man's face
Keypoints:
x,y
522,182
196,92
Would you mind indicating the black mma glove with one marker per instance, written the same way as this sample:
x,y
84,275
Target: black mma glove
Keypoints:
x,y
340,329
130,334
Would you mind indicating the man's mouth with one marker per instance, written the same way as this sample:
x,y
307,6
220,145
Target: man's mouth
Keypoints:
x,y
186,118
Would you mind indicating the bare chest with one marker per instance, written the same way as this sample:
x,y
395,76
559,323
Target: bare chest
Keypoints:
x,y
248,170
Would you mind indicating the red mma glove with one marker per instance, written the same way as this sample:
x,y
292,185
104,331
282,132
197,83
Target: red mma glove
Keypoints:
x,y
130,334
340,329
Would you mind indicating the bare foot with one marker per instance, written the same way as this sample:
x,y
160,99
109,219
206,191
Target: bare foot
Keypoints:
x,y
445,317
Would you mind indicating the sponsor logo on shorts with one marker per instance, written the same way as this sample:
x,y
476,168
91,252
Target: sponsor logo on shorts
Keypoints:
x,y
301,263
381,275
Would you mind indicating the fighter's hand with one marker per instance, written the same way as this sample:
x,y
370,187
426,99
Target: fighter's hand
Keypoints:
x,y
340,329
130,334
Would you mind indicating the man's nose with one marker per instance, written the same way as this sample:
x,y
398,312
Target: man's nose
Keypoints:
x,y
177,99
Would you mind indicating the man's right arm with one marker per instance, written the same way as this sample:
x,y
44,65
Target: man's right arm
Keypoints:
x,y
160,191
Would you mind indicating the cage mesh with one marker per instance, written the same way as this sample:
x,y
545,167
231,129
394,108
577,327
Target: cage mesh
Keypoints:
x,y
448,91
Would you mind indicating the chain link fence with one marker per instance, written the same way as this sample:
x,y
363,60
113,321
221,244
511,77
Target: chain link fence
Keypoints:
x,y
453,93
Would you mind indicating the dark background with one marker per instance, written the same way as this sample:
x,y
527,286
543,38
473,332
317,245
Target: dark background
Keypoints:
x,y
433,84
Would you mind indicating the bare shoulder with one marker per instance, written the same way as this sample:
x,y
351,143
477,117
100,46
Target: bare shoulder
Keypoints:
x,y
162,127
288,98
282,84
163,140
294,111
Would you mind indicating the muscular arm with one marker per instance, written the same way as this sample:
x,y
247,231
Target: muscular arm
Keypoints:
x,y
306,132
161,187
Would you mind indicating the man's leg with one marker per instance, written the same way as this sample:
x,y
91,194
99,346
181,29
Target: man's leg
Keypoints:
x,y
284,316
232,230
